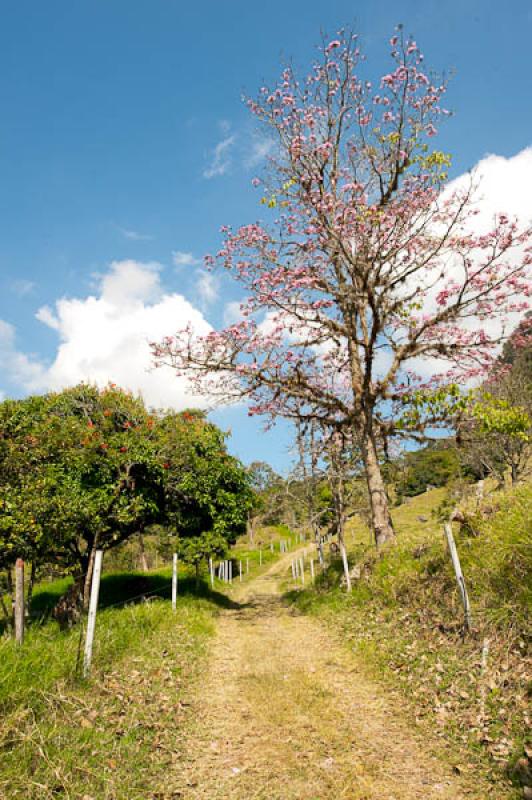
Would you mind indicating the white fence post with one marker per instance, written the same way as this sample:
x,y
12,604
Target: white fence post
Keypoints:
x,y
483,687
312,569
174,582
211,572
93,608
302,564
459,576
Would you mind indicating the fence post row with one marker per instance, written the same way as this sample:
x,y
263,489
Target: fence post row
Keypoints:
x,y
93,608
19,601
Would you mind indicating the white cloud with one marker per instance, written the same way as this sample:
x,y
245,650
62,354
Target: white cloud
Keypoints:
x,y
105,337
22,287
135,236
207,287
261,148
221,158
232,313
182,259
22,369
501,186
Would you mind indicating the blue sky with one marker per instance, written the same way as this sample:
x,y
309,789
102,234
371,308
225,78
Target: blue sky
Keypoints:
x,y
123,138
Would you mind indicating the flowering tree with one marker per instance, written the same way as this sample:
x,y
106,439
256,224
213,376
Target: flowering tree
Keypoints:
x,y
372,277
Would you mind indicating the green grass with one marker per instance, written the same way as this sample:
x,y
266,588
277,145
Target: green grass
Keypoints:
x,y
404,620
272,535
62,736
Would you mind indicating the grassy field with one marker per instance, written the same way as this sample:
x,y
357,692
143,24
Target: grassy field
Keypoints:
x,y
114,734
61,736
404,620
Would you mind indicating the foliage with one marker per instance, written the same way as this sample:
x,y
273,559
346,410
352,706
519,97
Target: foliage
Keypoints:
x,y
87,468
196,550
432,466
205,488
495,432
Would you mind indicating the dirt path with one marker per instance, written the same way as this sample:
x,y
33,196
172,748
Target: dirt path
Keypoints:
x,y
283,714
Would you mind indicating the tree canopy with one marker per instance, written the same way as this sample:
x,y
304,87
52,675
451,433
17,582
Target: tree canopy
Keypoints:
x,y
86,468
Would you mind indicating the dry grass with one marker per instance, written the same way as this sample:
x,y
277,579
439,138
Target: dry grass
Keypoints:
x,y
284,714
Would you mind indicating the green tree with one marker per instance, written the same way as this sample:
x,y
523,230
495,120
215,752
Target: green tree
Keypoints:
x,y
434,465
197,550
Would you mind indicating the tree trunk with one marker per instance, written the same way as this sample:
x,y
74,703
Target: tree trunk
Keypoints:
x,y
7,613
142,554
381,520
88,576
317,539
336,482
31,584
251,529
9,582
343,553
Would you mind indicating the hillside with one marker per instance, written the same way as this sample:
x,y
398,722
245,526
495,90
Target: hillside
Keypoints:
x,y
250,691
404,621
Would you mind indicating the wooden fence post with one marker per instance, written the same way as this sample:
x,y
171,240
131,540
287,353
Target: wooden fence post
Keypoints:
x,y
174,582
302,563
93,608
260,558
247,566
459,576
19,601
